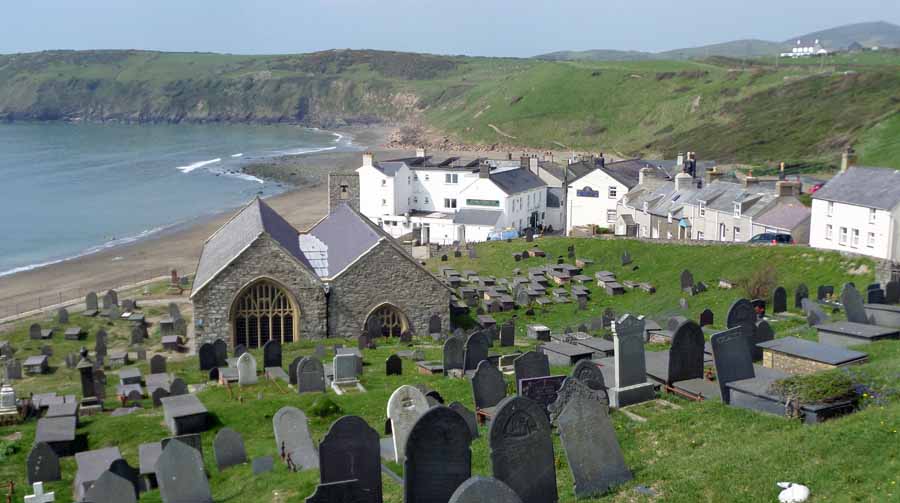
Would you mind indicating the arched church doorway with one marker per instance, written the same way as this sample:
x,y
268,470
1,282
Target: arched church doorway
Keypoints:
x,y
264,311
392,320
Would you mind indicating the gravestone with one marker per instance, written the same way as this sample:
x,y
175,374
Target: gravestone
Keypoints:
x,y
854,306
520,431
631,384
687,281
178,387
393,366
406,337
292,438
824,292
892,292
131,475
707,317
180,475
111,488
90,304
779,300
590,374
434,324
763,333
345,491
42,464
158,394
529,235
468,416
686,353
272,354
213,374
62,316
592,449
608,317
13,369
34,331
310,376
531,364
570,390
742,315
730,356
802,292
814,314
875,296
346,368
508,334
207,356
488,386
138,334
683,304
292,370
221,352
229,450
404,407
483,490
263,464
476,349
351,450
362,342
454,355
246,367
239,350
582,303
438,458
158,364
626,258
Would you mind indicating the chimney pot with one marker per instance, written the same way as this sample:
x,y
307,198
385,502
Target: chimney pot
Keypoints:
x,y
484,171
420,152
368,159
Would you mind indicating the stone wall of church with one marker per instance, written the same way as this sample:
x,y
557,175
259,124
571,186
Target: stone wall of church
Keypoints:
x,y
343,188
265,258
385,275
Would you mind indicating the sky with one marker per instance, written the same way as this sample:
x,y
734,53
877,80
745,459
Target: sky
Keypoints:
x,y
472,27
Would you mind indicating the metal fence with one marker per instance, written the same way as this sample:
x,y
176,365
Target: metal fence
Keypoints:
x,y
41,299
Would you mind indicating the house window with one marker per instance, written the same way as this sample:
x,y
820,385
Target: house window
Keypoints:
x,y
449,203
699,234
384,202
451,178
737,210
829,230
737,230
870,240
426,200
427,177
409,180
612,191
383,182
854,243
345,191
843,236
830,208
872,215
415,200
416,177
610,216
702,209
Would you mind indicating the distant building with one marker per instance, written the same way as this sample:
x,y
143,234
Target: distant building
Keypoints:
x,y
806,50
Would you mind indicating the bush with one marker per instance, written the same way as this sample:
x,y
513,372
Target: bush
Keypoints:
x,y
761,282
325,407
830,386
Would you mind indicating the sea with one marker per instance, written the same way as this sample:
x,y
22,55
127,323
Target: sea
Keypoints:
x,y
72,189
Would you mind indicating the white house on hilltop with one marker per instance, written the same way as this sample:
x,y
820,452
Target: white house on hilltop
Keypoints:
x,y
450,200
806,50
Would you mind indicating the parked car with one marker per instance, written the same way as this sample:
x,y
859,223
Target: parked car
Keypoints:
x,y
772,239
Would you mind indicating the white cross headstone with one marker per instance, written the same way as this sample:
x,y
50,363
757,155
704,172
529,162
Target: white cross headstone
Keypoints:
x,y
39,495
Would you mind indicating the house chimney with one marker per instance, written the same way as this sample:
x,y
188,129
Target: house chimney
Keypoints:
x,y
548,156
848,159
525,161
712,175
683,181
533,164
643,174
368,159
601,160
420,152
781,171
786,188
680,159
750,179
484,170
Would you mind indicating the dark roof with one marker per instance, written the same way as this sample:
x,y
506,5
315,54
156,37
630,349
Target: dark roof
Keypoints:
x,y
472,216
239,233
628,172
346,235
513,181
554,197
787,213
576,170
862,186
428,162
389,168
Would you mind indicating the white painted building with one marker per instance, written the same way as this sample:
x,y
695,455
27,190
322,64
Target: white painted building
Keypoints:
x,y
858,211
450,200
806,50
592,199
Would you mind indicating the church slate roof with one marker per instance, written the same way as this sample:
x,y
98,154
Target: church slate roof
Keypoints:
x,y
346,236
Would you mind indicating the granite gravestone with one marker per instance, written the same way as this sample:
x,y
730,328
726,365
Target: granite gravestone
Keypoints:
x,y
62,316
91,307
687,281
779,300
221,353
686,353
476,350
180,475
742,315
246,367
824,292
438,458
531,364
508,334
239,350
483,490
589,439
590,374
434,324
158,364
121,468
572,389
854,306
393,366
707,317
158,394
631,384
207,356
488,386
178,387
310,376
520,431
814,314
730,357
404,407
34,331
454,355
543,390
763,333
802,292
468,416
111,488
875,295
229,450
292,438
892,292
292,370
350,450
42,464
626,258
272,354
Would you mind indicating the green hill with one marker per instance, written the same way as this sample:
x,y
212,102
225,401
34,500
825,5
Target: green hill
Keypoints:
x,y
878,33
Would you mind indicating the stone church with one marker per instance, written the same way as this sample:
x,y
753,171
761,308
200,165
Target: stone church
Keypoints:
x,y
259,278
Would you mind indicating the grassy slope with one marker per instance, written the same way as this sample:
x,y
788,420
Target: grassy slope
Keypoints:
x,y
702,452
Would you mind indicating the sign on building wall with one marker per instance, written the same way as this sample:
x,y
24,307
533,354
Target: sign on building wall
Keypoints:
x,y
483,202
587,192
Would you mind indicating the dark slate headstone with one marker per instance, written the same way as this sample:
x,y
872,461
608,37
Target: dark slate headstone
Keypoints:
x,y
731,358
687,280
393,366
138,335
362,342
742,315
763,333
892,292
707,317
180,475
854,307
121,468
42,464
406,336
686,353
34,331
292,370
531,364
454,354
582,303
477,346
345,491
159,394
814,314
779,300
542,390
876,296
508,334
207,356
272,354
134,397
263,464
590,374
572,389
520,431
488,386
62,316
158,364
228,448
310,376
351,450
111,488
484,490
434,324
608,317
529,235
759,307
592,449
468,416
178,387
802,292
239,350
626,258
438,458
90,303
221,348
824,291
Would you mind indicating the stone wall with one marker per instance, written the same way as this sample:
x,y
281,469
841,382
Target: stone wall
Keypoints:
x,y
335,181
792,364
265,258
385,275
